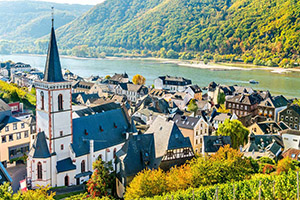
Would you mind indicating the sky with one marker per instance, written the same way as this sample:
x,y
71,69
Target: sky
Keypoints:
x,y
83,2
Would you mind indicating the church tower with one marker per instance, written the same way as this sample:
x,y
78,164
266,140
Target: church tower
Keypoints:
x,y
54,104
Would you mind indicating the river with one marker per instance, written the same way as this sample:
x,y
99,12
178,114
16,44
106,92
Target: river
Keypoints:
x,y
287,84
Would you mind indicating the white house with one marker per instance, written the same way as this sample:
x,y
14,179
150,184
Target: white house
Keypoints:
x,y
172,83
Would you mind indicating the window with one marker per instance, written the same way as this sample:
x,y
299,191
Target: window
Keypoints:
x,y
246,108
62,147
196,141
254,130
282,117
18,136
61,133
15,126
60,102
42,101
11,137
296,126
26,134
229,105
23,125
293,155
39,169
6,128
82,166
296,119
291,118
197,133
286,118
3,139
115,151
200,140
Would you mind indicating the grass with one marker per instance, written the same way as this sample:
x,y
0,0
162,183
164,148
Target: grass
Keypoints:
x,y
62,196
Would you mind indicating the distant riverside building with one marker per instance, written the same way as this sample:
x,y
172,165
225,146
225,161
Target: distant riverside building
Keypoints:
x,y
290,116
172,83
65,147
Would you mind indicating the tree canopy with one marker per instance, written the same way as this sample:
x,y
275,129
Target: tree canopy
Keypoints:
x,y
235,129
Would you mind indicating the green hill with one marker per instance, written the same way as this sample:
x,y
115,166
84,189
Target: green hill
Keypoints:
x,y
265,32
22,22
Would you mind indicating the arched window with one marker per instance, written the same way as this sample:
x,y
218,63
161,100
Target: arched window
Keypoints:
x,y
115,151
67,180
60,102
83,166
42,100
100,157
39,169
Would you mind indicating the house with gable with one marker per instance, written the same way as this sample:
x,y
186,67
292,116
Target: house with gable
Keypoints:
x,y
64,150
162,146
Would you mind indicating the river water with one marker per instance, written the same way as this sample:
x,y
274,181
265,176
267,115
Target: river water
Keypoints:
x,y
287,84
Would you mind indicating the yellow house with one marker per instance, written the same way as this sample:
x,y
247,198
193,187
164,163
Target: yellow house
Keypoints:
x,y
15,138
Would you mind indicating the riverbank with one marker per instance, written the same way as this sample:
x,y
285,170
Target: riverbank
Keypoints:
x,y
220,66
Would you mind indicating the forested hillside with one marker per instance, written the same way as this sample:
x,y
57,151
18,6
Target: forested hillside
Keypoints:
x,y
25,21
265,32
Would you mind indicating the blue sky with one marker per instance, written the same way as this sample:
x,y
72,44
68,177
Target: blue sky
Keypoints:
x,y
84,2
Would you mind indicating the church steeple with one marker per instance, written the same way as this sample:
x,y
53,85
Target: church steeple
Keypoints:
x,y
53,68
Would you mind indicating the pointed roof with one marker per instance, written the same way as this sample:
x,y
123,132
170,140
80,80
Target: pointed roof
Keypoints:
x,y
40,147
53,68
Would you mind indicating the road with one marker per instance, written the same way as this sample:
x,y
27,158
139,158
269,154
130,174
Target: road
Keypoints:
x,y
17,174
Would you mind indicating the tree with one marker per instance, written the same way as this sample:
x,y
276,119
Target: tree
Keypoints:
x,y
107,77
296,101
41,193
235,129
179,178
33,91
138,79
285,165
226,165
147,183
222,109
192,107
221,98
101,179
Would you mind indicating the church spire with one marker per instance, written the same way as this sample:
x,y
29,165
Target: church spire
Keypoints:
x,y
53,67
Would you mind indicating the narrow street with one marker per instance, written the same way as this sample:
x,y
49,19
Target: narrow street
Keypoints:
x,y
17,174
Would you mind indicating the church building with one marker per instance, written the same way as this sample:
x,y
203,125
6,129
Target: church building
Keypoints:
x,y
65,148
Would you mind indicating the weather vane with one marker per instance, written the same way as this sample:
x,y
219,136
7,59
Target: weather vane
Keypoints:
x,y
52,13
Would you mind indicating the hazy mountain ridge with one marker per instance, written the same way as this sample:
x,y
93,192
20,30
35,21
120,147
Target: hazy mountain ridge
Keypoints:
x,y
31,19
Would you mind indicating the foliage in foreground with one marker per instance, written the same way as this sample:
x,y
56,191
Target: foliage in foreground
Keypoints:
x,y
226,165
42,193
282,186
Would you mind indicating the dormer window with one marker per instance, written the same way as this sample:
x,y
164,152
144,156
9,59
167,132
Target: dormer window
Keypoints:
x,y
100,128
85,132
115,125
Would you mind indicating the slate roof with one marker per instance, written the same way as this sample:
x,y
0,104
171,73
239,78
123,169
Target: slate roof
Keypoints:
x,y
167,136
7,120
97,109
195,88
255,142
119,77
107,129
90,97
132,87
65,165
266,126
275,102
245,99
186,122
4,176
213,143
173,80
40,148
138,150
53,68
290,131
83,174
147,150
